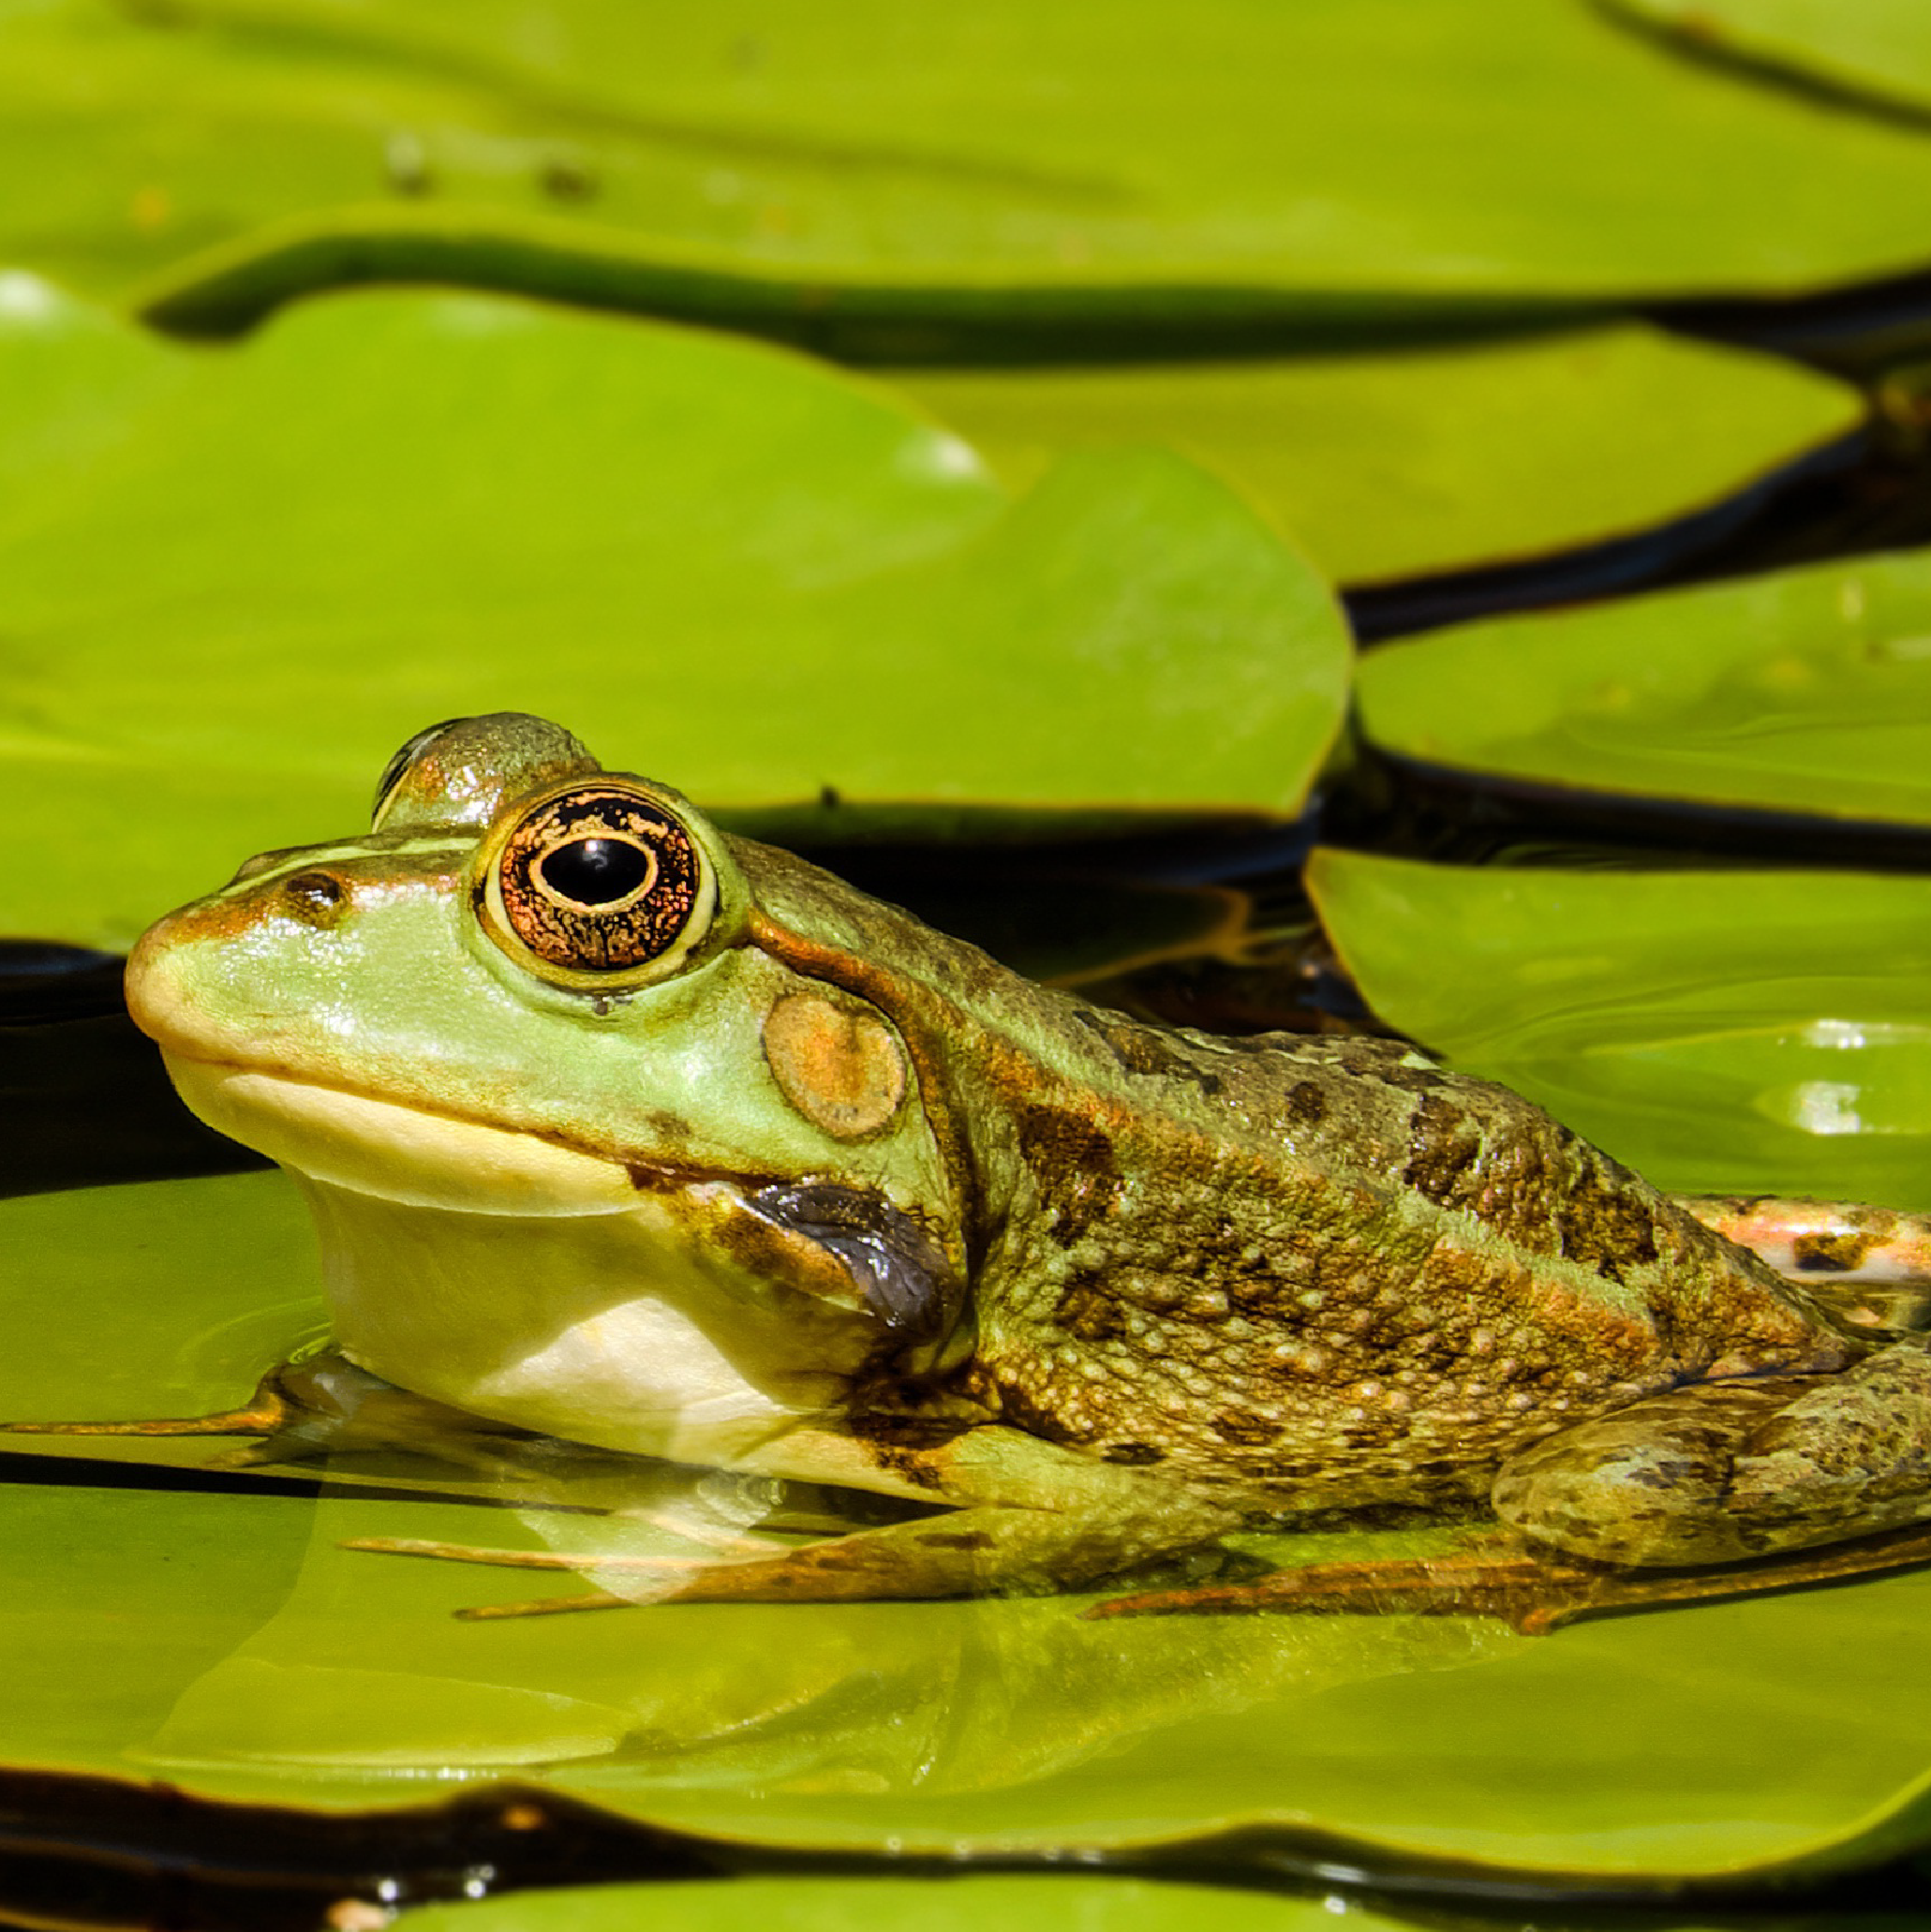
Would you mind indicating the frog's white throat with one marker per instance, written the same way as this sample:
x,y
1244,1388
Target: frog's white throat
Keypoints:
x,y
531,1282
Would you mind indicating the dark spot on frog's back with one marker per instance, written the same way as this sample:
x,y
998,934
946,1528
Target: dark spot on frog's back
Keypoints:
x,y
1085,1309
1604,1222
1146,1049
1133,1455
1443,1144
1307,1105
967,1539
1237,1426
1072,1162
1022,1411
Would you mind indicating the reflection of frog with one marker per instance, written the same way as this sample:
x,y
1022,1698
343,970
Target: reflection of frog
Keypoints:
x,y
623,1130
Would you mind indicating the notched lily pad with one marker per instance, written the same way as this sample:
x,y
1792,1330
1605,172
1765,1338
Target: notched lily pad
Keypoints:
x,y
1806,690
1300,168
1420,460
771,585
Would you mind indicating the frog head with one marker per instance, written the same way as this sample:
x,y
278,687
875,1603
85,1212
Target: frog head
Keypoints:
x,y
591,1151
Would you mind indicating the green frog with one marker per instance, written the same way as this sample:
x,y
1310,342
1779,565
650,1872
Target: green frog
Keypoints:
x,y
627,1131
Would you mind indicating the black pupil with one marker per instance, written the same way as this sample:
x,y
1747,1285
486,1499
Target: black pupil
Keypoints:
x,y
596,872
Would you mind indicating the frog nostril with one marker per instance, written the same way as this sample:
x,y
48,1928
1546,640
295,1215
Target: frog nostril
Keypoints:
x,y
316,898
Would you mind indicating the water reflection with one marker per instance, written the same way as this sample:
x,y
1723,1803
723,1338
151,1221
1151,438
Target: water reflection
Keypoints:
x,y
369,1667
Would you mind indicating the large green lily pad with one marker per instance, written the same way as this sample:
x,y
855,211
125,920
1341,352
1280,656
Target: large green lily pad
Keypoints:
x,y
1006,165
1806,690
1423,459
902,1904
776,587
1881,49
1740,1030
228,1643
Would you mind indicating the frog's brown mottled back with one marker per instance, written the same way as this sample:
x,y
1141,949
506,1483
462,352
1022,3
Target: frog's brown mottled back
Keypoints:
x,y
1324,1268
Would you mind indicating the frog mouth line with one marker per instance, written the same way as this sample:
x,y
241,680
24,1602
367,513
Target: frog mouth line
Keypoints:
x,y
379,1147
895,1270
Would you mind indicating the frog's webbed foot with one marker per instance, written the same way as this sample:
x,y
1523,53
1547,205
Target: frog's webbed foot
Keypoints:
x,y
1017,1517
1533,1592
262,1414
973,1551
319,1406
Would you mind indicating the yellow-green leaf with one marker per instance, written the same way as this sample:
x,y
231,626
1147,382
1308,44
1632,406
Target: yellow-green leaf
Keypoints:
x,y
1418,460
1804,691
1005,167
223,604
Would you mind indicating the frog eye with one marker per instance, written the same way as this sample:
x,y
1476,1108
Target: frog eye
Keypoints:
x,y
598,885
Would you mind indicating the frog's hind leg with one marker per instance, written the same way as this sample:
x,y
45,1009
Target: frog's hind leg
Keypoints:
x,y
1659,1503
1717,1472
1871,1267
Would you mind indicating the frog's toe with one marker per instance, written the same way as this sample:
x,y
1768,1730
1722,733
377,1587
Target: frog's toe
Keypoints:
x,y
639,1579
1490,1576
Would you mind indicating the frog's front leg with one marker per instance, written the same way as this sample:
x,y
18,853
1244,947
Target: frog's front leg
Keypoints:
x,y
321,1405
1023,1518
1718,1471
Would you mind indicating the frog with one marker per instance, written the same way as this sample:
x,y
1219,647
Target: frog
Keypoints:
x,y
620,1128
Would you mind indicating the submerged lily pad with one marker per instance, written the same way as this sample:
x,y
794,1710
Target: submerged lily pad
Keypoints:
x,y
769,584
227,1643
1807,691
1740,1032
1005,168
1423,459
1881,49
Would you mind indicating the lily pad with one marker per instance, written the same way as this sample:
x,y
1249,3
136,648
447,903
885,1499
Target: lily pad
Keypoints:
x,y
199,1319
1879,48
227,1643
1005,169
769,584
1742,1032
1423,459
1807,691
903,1905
